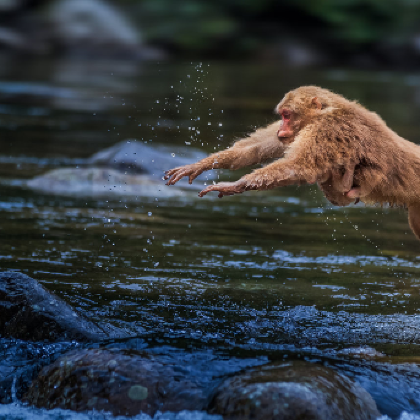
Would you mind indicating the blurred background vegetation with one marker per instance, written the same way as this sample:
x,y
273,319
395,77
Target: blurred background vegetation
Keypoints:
x,y
350,32
225,27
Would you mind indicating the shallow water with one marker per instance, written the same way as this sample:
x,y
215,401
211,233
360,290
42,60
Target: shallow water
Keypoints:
x,y
258,275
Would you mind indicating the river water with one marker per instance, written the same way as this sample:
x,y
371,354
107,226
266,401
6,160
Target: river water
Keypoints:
x,y
261,276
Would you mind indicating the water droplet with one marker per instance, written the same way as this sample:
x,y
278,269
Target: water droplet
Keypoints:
x,y
173,154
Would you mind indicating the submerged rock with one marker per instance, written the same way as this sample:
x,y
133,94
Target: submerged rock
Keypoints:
x,y
142,158
95,27
128,169
117,382
99,182
21,361
30,312
290,391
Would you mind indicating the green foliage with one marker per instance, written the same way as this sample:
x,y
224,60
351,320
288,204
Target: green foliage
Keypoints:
x,y
363,21
207,25
187,24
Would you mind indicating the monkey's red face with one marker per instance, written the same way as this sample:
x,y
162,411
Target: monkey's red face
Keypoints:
x,y
286,124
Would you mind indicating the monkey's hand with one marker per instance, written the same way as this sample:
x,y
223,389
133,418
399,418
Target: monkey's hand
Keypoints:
x,y
226,188
192,171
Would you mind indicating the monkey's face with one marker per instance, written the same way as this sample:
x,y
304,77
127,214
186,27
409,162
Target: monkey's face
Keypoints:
x,y
287,123
296,110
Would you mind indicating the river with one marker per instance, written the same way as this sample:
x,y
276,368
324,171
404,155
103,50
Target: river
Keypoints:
x,y
261,275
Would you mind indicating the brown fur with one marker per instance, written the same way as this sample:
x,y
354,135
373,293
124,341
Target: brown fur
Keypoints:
x,y
347,149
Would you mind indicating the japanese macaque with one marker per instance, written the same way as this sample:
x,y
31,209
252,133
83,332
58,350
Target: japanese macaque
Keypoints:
x,y
322,137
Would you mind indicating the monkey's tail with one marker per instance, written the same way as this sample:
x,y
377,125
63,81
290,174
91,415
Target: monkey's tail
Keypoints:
x,y
414,219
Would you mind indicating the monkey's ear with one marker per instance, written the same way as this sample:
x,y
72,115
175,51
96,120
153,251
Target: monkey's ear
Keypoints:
x,y
315,101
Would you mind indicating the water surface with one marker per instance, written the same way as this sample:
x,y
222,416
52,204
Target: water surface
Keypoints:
x,y
264,274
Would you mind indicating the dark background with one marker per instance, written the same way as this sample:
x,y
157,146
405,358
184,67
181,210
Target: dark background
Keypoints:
x,y
357,33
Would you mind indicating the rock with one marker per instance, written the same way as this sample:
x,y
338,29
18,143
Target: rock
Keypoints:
x,y
92,25
21,361
11,39
295,53
99,182
291,391
118,382
30,312
142,158
10,5
132,169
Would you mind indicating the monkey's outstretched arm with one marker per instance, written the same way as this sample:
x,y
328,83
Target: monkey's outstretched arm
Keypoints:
x,y
305,163
259,147
278,174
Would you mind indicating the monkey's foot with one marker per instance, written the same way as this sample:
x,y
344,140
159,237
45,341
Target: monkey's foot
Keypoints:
x,y
225,188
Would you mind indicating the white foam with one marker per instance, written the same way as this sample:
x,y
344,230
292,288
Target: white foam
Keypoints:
x,y
19,412
403,416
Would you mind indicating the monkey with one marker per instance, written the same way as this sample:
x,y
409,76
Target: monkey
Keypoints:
x,y
327,139
340,186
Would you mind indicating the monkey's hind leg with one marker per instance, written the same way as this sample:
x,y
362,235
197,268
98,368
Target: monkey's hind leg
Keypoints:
x,y
414,219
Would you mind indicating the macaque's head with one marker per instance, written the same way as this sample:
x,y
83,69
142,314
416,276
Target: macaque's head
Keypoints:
x,y
300,106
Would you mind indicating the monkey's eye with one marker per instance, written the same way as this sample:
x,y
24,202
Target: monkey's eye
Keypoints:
x,y
286,114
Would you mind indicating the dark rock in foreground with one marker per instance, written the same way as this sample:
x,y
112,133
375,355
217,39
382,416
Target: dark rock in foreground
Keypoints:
x,y
291,391
123,384
21,361
30,312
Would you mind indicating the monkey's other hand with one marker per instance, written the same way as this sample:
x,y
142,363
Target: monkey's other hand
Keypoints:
x,y
226,188
192,171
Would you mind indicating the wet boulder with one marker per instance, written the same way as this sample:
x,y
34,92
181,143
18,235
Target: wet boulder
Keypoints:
x,y
28,311
123,383
21,361
291,391
100,182
93,26
129,169
142,158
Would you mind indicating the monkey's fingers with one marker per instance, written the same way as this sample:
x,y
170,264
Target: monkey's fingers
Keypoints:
x,y
224,188
195,175
174,175
206,190
169,173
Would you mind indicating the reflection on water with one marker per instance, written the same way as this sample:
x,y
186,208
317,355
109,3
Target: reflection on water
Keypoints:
x,y
263,272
